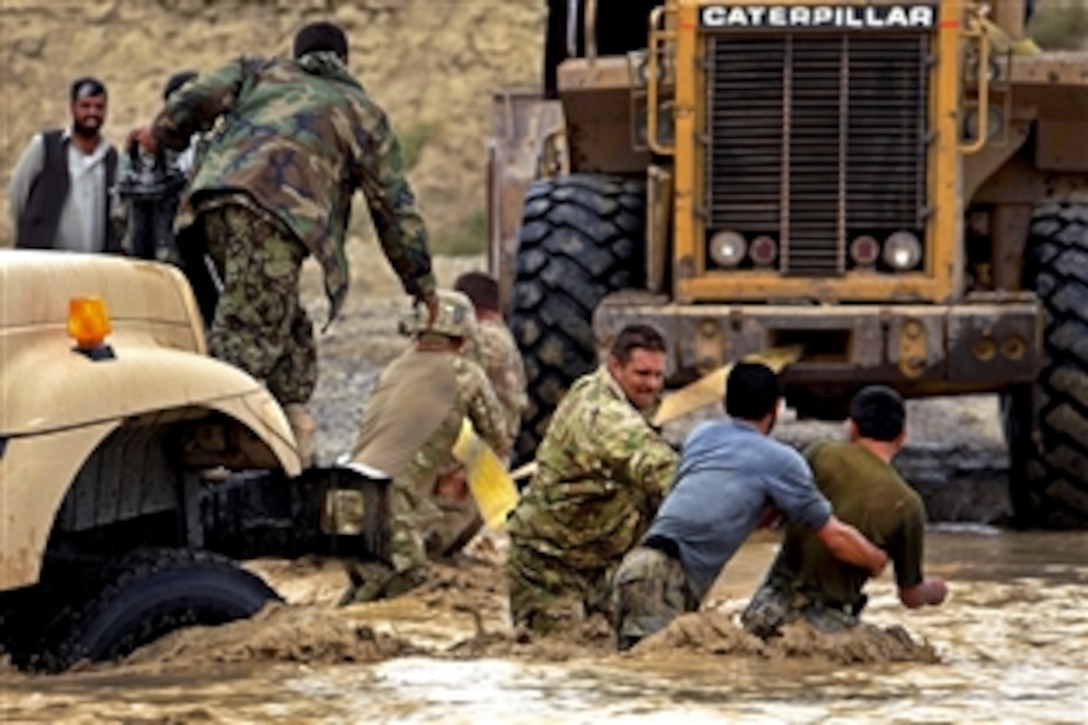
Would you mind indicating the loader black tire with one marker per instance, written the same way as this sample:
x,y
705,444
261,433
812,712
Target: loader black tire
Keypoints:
x,y
1046,424
153,592
581,239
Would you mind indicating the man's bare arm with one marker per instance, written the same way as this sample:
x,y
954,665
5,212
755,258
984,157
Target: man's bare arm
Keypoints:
x,y
847,544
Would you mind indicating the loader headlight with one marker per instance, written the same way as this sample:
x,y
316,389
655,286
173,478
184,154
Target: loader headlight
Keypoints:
x,y
727,248
902,251
995,124
665,130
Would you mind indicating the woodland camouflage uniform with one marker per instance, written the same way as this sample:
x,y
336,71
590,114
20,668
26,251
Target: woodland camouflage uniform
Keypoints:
x,y
602,472
297,138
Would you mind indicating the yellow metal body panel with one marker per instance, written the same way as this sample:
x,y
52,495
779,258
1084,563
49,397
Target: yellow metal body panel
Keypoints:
x,y
938,282
57,405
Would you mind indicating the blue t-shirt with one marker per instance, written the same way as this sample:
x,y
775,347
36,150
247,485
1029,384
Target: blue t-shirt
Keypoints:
x,y
728,474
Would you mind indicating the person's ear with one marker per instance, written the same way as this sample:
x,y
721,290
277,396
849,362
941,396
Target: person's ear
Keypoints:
x,y
852,430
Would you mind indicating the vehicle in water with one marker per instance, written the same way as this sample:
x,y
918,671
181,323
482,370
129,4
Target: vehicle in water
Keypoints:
x,y
135,470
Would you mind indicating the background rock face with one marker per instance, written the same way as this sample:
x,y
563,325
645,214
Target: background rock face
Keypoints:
x,y
432,64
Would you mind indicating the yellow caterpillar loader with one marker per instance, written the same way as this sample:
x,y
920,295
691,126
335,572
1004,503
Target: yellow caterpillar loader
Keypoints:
x,y
897,187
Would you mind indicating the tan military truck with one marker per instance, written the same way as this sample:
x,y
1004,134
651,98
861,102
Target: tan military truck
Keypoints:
x,y
895,186
133,467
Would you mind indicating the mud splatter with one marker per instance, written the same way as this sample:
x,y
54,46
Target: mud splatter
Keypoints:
x,y
714,633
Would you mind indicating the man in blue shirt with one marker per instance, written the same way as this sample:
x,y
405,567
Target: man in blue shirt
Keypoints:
x,y
731,475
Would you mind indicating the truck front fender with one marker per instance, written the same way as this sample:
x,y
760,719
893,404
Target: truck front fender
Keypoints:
x,y
60,406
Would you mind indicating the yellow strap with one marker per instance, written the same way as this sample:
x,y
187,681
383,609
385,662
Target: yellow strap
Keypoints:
x,y
490,484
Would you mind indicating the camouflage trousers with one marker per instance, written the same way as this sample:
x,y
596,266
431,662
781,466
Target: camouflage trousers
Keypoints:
x,y
778,603
424,525
259,325
548,596
649,590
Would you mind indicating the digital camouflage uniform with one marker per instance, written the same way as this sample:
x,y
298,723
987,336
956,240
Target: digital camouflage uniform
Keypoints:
x,y
494,348
779,602
649,590
274,184
412,419
602,472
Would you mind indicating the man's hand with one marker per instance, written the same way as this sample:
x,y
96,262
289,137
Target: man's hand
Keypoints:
x,y
431,301
145,138
932,591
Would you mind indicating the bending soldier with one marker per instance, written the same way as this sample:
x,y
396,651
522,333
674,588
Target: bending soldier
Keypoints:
x,y
410,425
274,184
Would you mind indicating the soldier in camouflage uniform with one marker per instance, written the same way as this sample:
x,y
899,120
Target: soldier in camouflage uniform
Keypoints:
x,y
494,348
298,136
411,422
602,472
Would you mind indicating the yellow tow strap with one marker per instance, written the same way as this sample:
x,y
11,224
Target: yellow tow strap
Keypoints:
x,y
490,484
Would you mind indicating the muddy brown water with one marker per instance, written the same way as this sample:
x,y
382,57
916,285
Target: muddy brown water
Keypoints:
x,y
1010,645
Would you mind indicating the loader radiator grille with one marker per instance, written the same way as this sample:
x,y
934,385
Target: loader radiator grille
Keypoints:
x,y
816,139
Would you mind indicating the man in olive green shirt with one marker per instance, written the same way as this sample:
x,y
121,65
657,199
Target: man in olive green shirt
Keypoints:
x,y
867,492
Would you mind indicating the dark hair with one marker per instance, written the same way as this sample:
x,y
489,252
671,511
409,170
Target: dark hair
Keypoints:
x,y
751,391
176,81
481,288
635,337
321,36
86,86
879,413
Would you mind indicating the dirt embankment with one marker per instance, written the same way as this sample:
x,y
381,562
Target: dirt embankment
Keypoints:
x,y
432,64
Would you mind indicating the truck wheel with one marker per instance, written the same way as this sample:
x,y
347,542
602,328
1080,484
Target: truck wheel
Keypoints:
x,y
154,592
1047,424
581,238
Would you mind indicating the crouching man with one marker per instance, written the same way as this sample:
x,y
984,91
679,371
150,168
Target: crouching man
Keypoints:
x,y
805,581
409,428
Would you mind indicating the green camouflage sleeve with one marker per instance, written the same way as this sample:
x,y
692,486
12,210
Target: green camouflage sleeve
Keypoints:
x,y
393,207
635,449
482,406
498,354
198,104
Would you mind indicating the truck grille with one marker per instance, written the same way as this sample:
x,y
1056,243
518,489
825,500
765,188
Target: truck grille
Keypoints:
x,y
815,140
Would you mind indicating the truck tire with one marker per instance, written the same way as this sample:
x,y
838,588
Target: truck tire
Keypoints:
x,y
1047,424
581,238
154,592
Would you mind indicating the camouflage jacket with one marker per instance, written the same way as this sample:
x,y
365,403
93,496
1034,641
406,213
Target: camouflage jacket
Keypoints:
x,y
602,472
494,348
300,137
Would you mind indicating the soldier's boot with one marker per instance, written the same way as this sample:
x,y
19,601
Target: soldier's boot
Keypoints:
x,y
304,427
367,583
